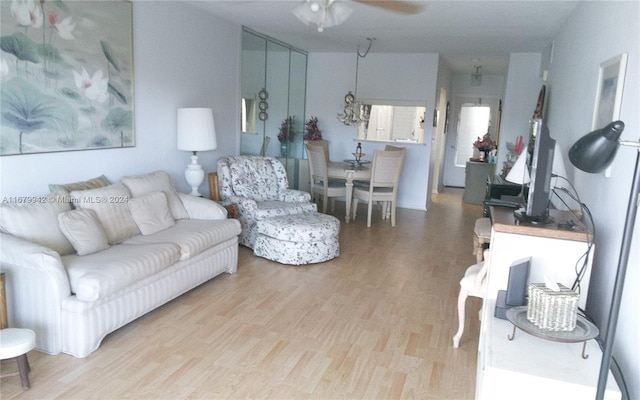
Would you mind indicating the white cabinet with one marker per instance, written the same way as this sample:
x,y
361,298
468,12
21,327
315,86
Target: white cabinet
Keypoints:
x,y
529,367
475,182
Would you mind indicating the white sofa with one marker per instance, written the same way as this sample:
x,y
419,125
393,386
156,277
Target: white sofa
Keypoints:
x,y
75,274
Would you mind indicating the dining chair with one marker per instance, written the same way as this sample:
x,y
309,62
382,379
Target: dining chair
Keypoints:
x,y
383,186
471,284
323,143
319,174
393,148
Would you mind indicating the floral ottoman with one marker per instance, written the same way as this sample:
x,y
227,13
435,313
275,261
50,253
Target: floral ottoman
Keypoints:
x,y
298,239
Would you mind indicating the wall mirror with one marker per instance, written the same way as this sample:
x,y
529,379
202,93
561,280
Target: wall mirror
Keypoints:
x,y
392,121
249,114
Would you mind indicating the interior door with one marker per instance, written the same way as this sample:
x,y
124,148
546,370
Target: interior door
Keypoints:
x,y
472,117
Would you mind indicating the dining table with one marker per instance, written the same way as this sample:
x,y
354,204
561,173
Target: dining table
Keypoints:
x,y
350,172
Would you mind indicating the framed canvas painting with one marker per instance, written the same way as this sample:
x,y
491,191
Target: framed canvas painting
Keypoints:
x,y
66,69
609,92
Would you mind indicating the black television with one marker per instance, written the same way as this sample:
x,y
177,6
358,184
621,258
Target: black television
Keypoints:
x,y
536,209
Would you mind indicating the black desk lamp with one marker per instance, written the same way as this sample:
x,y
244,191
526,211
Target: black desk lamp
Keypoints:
x,y
593,153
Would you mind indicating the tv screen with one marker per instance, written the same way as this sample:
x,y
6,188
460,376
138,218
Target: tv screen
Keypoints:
x,y
537,207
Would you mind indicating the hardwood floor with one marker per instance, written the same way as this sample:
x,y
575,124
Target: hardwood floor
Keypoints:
x,y
375,323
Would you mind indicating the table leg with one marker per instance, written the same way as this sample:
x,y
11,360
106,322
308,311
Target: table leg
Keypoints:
x,y
349,186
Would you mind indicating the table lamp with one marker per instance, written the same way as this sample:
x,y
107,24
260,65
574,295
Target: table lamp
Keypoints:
x,y
593,153
519,173
196,132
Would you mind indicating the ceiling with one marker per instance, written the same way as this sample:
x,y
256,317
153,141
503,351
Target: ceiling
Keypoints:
x,y
465,33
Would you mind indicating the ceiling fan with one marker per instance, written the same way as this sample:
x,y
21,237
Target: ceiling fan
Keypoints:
x,y
327,13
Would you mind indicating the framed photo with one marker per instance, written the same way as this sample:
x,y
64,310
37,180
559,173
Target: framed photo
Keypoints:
x,y
67,76
609,93
446,120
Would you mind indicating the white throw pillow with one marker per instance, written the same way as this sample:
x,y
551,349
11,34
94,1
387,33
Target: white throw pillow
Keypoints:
x,y
158,181
35,218
201,208
84,231
151,213
110,205
66,188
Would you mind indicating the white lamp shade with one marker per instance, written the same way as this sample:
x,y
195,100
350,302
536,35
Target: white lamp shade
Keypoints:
x,y
519,173
196,131
558,166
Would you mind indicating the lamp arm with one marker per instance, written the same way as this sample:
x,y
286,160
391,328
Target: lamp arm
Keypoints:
x,y
618,287
630,143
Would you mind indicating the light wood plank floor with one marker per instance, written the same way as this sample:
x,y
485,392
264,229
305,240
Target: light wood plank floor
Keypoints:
x,y
374,323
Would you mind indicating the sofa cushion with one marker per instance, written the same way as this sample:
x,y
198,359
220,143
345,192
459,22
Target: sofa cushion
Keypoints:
x,y
83,229
66,188
101,274
158,181
110,205
268,209
201,208
193,236
151,212
254,178
36,219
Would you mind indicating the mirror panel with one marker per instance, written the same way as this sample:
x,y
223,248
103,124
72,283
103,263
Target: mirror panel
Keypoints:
x,y
273,90
253,65
392,121
278,88
297,98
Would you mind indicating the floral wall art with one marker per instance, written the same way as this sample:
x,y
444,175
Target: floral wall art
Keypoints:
x,y
66,75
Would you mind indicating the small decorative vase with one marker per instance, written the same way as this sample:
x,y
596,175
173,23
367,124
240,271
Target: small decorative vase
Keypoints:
x,y
283,149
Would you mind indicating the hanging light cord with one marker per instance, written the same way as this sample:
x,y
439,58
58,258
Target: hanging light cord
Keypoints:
x,y
358,55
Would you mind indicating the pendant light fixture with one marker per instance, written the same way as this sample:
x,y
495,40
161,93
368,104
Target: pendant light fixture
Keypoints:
x,y
352,113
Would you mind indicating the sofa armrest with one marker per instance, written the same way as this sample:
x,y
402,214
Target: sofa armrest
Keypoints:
x,y
201,208
36,284
243,203
293,195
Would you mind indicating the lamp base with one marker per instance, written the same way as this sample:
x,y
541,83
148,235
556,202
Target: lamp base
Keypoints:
x,y
194,175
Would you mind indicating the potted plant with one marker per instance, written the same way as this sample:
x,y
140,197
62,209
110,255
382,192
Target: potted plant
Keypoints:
x,y
312,130
286,134
484,145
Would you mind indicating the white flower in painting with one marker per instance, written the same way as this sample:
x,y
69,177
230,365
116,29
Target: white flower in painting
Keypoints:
x,y
65,29
95,88
27,13
4,69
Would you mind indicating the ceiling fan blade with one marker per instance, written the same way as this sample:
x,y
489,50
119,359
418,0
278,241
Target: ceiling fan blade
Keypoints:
x,y
399,6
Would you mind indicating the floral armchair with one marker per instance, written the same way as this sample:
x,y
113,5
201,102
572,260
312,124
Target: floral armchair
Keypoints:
x,y
260,188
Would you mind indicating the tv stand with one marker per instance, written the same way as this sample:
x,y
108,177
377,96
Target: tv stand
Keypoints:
x,y
521,216
528,367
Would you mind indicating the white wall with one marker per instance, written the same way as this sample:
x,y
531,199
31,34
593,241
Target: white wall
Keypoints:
x,y
196,65
491,87
596,32
381,76
522,88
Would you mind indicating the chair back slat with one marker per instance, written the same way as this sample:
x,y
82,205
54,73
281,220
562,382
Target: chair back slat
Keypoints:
x,y
386,168
317,162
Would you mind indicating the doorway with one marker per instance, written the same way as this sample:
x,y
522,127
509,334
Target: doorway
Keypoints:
x,y
473,118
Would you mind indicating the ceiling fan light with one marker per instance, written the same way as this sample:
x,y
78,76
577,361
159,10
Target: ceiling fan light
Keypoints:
x,y
306,14
336,14
323,14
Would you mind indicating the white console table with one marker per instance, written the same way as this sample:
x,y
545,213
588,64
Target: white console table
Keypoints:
x,y
529,367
